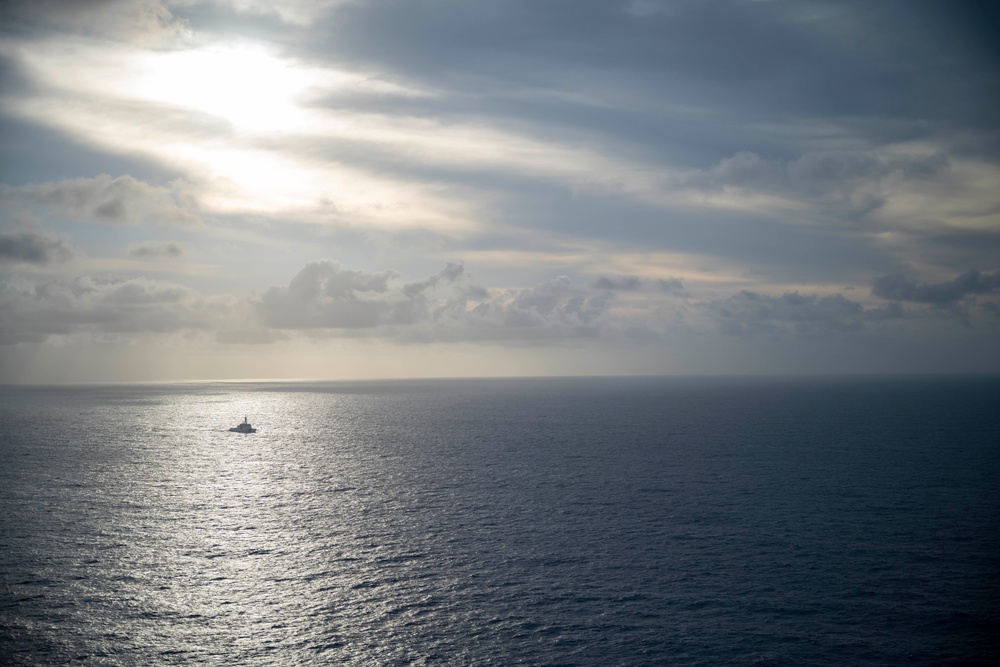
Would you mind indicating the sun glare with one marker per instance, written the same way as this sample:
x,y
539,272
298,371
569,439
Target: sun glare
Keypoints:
x,y
242,84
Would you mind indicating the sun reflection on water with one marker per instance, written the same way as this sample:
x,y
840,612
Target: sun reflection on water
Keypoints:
x,y
605,522
223,538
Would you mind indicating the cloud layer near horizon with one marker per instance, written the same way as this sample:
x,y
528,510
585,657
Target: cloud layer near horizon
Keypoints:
x,y
656,176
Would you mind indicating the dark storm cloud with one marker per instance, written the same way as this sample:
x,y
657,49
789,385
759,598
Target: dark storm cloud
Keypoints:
x,y
898,287
35,247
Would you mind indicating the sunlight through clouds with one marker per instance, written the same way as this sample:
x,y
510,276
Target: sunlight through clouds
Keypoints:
x,y
261,98
239,83
633,175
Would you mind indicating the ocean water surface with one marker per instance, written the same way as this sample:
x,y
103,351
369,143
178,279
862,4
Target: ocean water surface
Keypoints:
x,y
597,521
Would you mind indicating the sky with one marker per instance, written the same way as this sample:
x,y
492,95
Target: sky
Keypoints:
x,y
349,189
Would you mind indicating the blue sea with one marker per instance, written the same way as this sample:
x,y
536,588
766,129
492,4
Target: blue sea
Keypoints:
x,y
589,521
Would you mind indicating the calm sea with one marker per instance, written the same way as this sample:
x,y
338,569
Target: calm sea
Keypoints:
x,y
612,521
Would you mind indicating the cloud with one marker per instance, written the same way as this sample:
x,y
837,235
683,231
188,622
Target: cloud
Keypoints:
x,y
749,312
444,307
752,313
118,201
322,299
324,296
294,12
848,183
898,287
635,284
849,60
618,283
672,285
469,144
452,272
138,21
549,311
326,300
756,145
156,249
97,306
34,247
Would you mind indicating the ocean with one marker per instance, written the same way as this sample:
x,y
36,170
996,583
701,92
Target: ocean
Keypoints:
x,y
561,521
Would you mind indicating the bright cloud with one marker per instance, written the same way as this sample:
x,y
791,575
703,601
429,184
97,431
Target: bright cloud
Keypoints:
x,y
667,179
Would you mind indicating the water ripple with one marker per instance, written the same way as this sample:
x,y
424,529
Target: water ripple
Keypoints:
x,y
601,522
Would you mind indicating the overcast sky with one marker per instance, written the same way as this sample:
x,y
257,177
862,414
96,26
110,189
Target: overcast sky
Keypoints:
x,y
229,189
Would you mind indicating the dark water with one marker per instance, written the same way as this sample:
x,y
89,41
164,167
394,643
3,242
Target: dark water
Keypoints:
x,y
535,522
